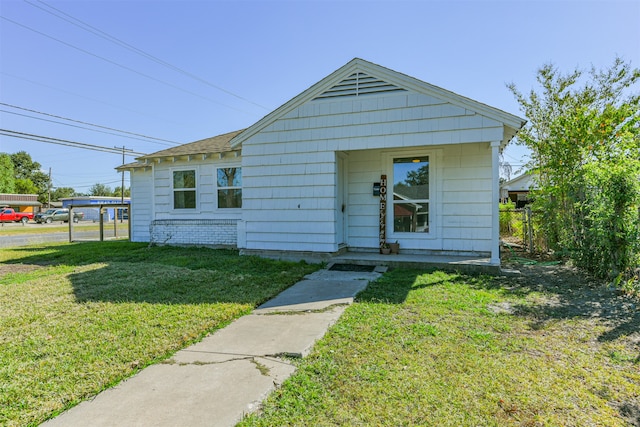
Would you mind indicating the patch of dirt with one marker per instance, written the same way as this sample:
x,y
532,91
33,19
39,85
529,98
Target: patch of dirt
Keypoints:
x,y
570,293
630,412
17,268
561,292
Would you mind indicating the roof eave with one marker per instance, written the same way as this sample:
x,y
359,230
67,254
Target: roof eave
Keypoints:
x,y
203,147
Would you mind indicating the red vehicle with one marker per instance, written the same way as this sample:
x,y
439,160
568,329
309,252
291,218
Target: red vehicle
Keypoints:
x,y
10,215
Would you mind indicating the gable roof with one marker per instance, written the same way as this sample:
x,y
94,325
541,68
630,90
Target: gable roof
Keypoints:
x,y
345,81
215,144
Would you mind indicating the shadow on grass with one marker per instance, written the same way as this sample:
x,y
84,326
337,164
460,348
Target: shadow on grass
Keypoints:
x,y
176,275
564,294
575,295
132,272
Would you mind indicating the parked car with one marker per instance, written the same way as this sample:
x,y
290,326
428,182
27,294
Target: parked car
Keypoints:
x,y
50,215
10,215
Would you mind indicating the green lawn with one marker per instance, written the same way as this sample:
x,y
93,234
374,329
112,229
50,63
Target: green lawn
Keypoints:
x,y
434,349
78,318
438,349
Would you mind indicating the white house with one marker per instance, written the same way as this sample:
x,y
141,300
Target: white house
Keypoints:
x,y
517,189
307,178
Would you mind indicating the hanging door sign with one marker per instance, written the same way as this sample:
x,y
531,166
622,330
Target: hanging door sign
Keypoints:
x,y
383,210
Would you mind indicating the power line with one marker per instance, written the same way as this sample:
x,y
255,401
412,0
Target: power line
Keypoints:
x,y
86,123
87,27
50,140
119,107
86,185
122,66
79,127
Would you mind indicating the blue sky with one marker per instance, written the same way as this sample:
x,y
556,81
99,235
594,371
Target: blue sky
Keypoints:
x,y
250,57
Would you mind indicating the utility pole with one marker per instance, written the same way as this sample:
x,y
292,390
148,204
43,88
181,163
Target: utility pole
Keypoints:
x,y
122,189
122,186
49,191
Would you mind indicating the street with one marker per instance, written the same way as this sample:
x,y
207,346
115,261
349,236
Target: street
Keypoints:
x,y
17,234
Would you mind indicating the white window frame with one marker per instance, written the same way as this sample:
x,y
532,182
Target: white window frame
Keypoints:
x,y
173,189
434,158
217,188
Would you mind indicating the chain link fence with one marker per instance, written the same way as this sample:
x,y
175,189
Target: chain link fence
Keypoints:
x,y
517,228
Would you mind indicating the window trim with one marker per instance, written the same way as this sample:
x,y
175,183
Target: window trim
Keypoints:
x,y
217,188
196,189
434,160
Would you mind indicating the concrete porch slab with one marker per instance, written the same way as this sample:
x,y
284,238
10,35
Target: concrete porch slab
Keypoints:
x,y
466,264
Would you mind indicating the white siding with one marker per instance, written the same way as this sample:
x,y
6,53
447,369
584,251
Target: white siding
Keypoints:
x,y
141,211
289,171
205,225
206,191
460,203
365,168
467,198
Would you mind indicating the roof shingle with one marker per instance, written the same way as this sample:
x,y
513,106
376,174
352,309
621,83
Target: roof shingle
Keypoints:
x,y
216,144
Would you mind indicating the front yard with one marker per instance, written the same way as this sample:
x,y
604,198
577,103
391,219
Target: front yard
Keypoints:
x,y
547,348
437,349
78,318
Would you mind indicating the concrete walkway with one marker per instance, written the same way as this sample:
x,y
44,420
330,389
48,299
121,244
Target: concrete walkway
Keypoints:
x,y
227,375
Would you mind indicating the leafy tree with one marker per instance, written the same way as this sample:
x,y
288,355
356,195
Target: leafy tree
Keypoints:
x,y
23,165
28,173
418,177
61,193
584,134
100,190
26,186
7,179
117,192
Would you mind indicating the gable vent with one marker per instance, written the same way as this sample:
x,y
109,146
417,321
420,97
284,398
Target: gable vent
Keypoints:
x,y
359,84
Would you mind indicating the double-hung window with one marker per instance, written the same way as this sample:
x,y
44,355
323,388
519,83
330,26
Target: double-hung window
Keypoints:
x,y
411,194
184,189
229,182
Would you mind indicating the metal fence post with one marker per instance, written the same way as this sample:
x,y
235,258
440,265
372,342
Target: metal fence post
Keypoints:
x,y
530,229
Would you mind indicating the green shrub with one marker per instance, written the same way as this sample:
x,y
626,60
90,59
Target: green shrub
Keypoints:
x,y
510,220
610,244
